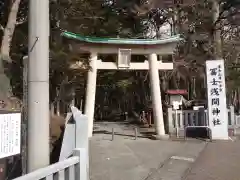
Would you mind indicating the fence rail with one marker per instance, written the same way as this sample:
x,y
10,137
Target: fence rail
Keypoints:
x,y
182,118
75,144
68,169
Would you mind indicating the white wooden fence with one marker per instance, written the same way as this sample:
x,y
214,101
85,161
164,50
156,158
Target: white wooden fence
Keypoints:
x,y
181,118
75,166
69,169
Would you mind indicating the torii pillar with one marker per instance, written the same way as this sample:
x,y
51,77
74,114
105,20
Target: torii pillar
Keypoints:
x,y
91,91
125,48
156,95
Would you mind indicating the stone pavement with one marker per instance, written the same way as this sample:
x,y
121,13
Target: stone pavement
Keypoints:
x,y
218,161
143,159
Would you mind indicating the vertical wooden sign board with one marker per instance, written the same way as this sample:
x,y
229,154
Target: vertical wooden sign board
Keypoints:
x,y
217,108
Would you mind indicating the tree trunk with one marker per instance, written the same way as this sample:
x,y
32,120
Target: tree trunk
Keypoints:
x,y
5,86
217,42
9,30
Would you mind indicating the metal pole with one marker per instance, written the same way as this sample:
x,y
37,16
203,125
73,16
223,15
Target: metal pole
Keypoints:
x,y
38,85
25,109
135,133
113,134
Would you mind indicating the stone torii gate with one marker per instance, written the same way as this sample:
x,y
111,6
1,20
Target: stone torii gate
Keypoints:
x,y
124,48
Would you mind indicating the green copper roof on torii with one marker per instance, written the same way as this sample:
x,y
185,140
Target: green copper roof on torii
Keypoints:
x,y
98,40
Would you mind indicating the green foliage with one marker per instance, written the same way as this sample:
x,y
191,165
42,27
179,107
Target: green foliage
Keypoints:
x,y
97,18
90,18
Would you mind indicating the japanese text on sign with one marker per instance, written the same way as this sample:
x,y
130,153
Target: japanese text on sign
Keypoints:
x,y
217,98
216,89
10,134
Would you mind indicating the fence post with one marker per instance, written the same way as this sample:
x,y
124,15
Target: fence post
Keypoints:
x,y
206,118
232,116
81,122
81,170
135,133
181,122
69,138
170,121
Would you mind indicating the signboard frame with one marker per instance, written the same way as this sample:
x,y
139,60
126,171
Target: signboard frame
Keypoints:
x,y
124,58
8,149
217,106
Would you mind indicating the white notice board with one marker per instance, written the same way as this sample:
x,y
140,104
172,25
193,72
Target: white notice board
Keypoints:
x,y
217,108
10,134
176,105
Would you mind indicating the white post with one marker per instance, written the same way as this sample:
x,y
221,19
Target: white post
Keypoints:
x,y
38,85
81,134
91,92
156,95
233,122
232,116
170,121
176,121
81,170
